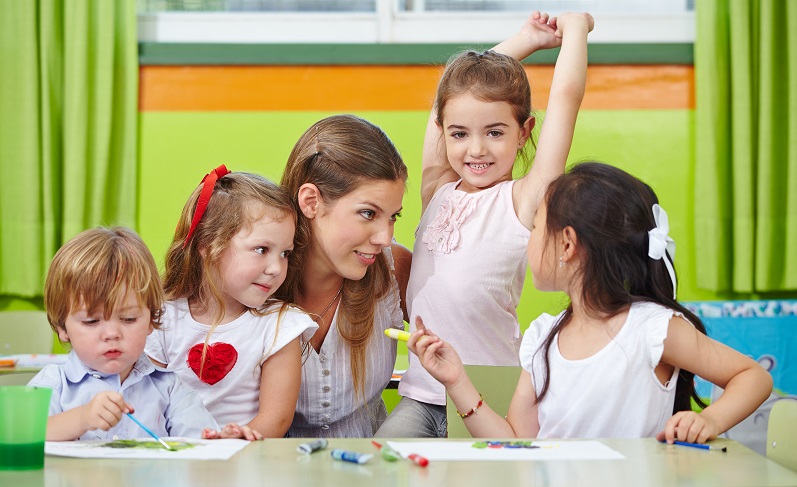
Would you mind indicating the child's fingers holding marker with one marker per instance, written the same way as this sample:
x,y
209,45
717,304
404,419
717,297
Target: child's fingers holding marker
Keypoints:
x,y
421,335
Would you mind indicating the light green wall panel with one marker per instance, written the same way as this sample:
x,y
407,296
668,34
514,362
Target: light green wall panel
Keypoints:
x,y
177,149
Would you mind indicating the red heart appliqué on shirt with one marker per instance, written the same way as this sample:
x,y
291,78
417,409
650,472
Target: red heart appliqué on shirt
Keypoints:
x,y
219,361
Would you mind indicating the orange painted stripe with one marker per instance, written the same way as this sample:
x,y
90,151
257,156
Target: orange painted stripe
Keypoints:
x,y
351,88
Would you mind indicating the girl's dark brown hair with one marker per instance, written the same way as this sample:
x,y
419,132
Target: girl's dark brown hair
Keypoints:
x,y
611,213
337,155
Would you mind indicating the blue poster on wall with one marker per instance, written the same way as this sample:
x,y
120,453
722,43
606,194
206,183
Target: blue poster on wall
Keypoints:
x,y
766,331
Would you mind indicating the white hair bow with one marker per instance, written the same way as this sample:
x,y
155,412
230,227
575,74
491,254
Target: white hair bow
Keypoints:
x,y
661,243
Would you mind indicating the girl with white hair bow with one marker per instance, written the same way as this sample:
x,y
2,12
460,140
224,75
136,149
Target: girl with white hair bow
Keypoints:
x,y
620,361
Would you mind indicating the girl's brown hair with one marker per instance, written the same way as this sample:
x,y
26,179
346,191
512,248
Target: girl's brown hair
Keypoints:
x,y
96,269
491,77
192,270
337,155
238,200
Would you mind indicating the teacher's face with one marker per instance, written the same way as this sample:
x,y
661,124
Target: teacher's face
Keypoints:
x,y
348,234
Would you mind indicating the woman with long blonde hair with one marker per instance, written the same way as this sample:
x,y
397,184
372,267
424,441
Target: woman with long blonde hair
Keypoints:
x,y
347,181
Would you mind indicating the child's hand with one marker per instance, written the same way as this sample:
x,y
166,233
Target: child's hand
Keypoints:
x,y
688,426
436,356
104,411
538,31
232,430
571,20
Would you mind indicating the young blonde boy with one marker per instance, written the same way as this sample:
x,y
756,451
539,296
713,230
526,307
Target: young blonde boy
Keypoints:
x,y
103,296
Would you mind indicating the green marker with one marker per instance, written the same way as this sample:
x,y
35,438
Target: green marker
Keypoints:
x,y
388,453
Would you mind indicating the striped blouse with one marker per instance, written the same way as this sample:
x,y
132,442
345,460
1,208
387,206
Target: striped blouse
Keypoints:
x,y
327,405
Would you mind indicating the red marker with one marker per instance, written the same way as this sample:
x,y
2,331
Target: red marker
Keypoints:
x,y
388,454
418,460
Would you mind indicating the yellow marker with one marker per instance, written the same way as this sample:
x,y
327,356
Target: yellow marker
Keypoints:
x,y
397,334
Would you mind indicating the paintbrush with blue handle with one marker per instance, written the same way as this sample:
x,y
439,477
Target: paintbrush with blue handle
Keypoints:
x,y
149,432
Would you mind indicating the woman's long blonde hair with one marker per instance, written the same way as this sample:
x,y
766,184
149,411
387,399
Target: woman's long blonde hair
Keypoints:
x,y
337,155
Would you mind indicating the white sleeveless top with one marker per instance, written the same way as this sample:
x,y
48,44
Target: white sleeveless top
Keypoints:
x,y
612,394
468,268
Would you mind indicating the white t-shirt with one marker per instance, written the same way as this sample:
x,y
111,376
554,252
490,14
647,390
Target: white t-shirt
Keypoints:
x,y
236,352
614,393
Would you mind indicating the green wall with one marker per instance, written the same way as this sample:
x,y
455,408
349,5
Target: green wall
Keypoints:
x,y
178,148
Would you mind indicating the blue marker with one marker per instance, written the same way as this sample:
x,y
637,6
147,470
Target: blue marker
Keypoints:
x,y
702,446
351,456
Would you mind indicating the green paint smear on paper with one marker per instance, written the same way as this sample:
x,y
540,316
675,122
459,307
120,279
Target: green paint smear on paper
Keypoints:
x,y
175,445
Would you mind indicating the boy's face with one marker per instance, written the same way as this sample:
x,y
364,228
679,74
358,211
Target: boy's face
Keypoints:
x,y
109,346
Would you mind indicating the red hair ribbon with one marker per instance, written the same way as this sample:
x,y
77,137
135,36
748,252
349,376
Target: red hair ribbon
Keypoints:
x,y
208,183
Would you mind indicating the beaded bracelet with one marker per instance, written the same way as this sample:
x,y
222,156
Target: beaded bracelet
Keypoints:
x,y
481,401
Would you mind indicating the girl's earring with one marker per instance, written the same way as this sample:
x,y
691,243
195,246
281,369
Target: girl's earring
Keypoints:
x,y
561,262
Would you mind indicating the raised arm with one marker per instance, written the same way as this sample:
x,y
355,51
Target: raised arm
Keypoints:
x,y
538,32
746,384
564,101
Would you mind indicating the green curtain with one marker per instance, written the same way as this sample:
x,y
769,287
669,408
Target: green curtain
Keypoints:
x,y
68,120
746,164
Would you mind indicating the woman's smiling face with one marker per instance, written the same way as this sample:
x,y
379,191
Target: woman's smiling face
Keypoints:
x,y
349,233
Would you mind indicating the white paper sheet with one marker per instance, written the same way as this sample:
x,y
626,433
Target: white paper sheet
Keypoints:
x,y
453,451
202,449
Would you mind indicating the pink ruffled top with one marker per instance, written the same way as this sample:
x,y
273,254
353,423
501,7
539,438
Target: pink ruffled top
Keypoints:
x,y
442,234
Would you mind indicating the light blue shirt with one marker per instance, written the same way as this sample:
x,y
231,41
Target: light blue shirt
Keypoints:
x,y
162,403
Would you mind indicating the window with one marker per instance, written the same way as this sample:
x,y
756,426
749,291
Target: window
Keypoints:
x,y
400,21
